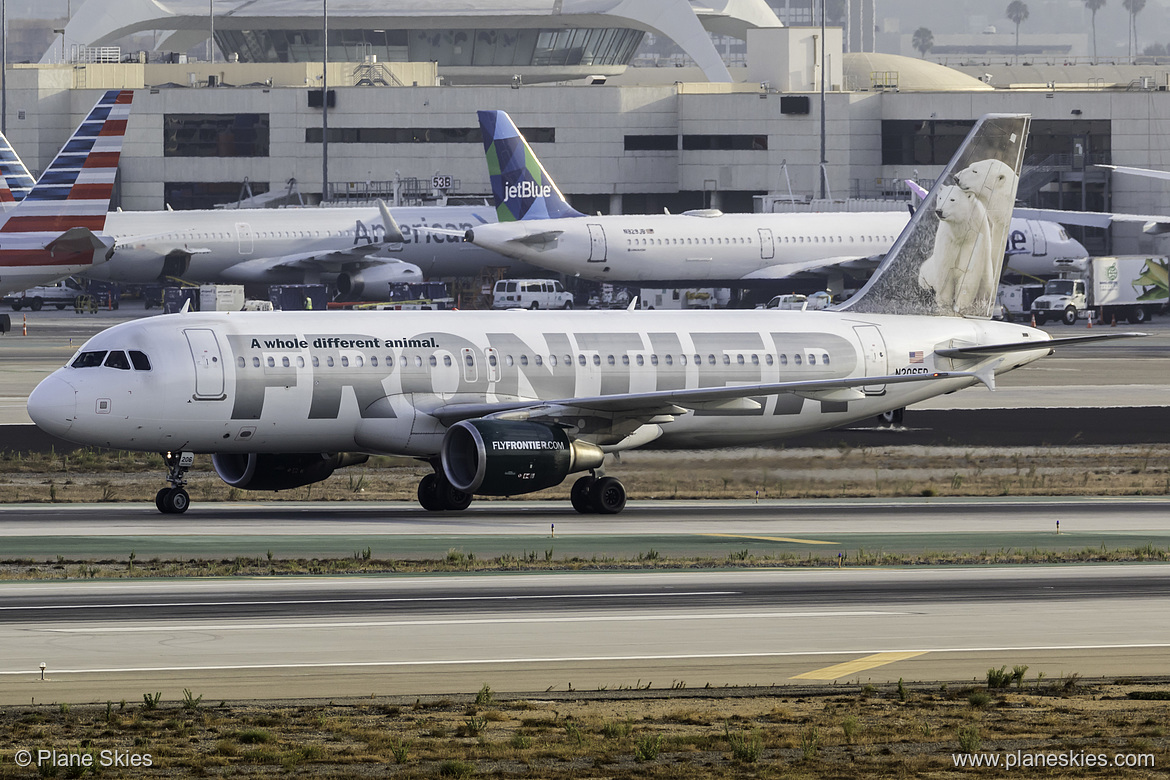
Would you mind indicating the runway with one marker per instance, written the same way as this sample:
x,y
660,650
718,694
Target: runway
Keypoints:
x,y
714,529
264,638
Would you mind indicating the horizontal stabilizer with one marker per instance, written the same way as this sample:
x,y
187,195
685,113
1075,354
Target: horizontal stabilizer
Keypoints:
x,y
1028,346
79,240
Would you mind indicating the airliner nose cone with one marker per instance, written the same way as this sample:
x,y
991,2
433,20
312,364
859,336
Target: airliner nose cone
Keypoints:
x,y
52,405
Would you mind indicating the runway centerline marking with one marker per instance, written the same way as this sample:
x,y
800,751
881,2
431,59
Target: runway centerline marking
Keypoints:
x,y
837,671
385,600
565,659
770,538
462,622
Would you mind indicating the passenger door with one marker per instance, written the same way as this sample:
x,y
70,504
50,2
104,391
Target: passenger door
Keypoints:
x,y
873,350
205,353
767,245
597,249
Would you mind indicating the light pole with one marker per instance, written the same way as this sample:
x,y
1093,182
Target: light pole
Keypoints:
x,y
62,34
324,100
4,66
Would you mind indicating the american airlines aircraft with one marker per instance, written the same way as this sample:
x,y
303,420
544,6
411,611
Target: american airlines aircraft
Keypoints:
x,y
58,227
360,249
507,403
536,225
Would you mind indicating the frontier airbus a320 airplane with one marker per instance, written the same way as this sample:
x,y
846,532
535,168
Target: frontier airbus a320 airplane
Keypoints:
x,y
506,403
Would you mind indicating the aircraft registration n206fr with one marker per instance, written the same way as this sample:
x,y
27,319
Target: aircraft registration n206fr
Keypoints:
x,y
508,403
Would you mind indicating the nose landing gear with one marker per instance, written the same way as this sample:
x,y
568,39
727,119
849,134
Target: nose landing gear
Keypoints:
x,y
174,500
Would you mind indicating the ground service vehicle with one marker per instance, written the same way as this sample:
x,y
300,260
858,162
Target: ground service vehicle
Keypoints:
x,y
530,294
1129,287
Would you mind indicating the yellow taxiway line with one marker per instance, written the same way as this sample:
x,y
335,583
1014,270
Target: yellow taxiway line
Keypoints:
x,y
770,538
850,668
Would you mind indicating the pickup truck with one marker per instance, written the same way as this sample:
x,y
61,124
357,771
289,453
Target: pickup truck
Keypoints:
x,y
60,295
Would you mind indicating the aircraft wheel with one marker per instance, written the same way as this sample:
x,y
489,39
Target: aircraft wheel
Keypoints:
x,y
175,501
889,419
579,495
158,500
449,496
608,496
428,493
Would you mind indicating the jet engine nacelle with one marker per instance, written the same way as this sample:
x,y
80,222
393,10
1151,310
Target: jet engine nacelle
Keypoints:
x,y
510,458
373,282
261,471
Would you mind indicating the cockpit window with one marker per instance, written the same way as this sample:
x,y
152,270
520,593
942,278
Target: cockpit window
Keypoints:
x,y
140,360
117,359
89,359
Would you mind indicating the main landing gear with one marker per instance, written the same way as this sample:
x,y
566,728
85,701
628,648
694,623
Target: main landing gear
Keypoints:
x,y
436,493
598,495
174,500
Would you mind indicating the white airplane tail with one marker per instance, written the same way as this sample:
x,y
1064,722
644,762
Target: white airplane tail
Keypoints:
x,y
948,259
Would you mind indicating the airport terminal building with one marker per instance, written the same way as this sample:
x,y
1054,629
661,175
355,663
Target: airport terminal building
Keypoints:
x,y
404,88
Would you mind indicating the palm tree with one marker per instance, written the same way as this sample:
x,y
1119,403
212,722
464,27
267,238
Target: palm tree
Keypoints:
x,y
1094,6
1134,7
923,40
1017,11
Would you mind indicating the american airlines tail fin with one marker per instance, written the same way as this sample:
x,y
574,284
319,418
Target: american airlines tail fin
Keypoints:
x,y
17,180
74,191
948,259
521,186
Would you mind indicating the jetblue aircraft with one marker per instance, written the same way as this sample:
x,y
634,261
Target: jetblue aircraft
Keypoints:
x,y
538,226
507,403
58,227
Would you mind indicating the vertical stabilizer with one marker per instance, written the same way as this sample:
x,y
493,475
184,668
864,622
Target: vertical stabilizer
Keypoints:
x,y
521,186
12,169
75,190
948,259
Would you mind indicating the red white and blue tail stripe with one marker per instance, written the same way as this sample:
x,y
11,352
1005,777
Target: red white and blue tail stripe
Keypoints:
x,y
74,191
17,181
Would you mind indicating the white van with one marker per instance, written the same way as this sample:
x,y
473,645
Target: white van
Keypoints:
x,y
530,294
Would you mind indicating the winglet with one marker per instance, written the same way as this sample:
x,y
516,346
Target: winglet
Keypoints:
x,y
633,304
393,232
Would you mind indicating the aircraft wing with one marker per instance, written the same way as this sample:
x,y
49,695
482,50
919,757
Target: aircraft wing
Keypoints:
x,y
1145,173
321,262
1153,223
645,406
978,350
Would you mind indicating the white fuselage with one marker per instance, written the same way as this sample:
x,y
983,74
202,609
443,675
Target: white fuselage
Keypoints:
x,y
202,246
695,247
294,382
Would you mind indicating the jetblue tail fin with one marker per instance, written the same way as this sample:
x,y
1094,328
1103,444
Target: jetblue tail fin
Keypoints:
x,y
948,259
521,186
74,191
18,181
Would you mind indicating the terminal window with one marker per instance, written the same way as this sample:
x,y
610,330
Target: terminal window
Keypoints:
x,y
750,143
419,135
215,135
187,195
652,143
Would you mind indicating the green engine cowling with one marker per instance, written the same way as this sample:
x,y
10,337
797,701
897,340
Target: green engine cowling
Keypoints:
x,y
510,458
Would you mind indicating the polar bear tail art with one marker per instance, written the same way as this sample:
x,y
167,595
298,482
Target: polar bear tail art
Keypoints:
x,y
949,257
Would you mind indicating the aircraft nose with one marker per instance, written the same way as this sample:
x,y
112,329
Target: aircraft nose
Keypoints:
x,y
52,405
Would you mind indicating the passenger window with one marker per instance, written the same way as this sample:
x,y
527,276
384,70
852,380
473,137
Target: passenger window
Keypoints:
x,y
316,362
508,360
611,360
142,362
682,360
284,361
641,360
329,361
812,359
89,359
796,359
698,360
552,360
345,361
271,362
653,360
492,361
434,361
447,360
581,360
538,360
739,359
301,361
389,361
768,359
373,361
755,360
470,361
669,360
117,359
783,360
597,360
825,359
418,361
240,362
359,361
727,360
523,360
711,360
625,360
